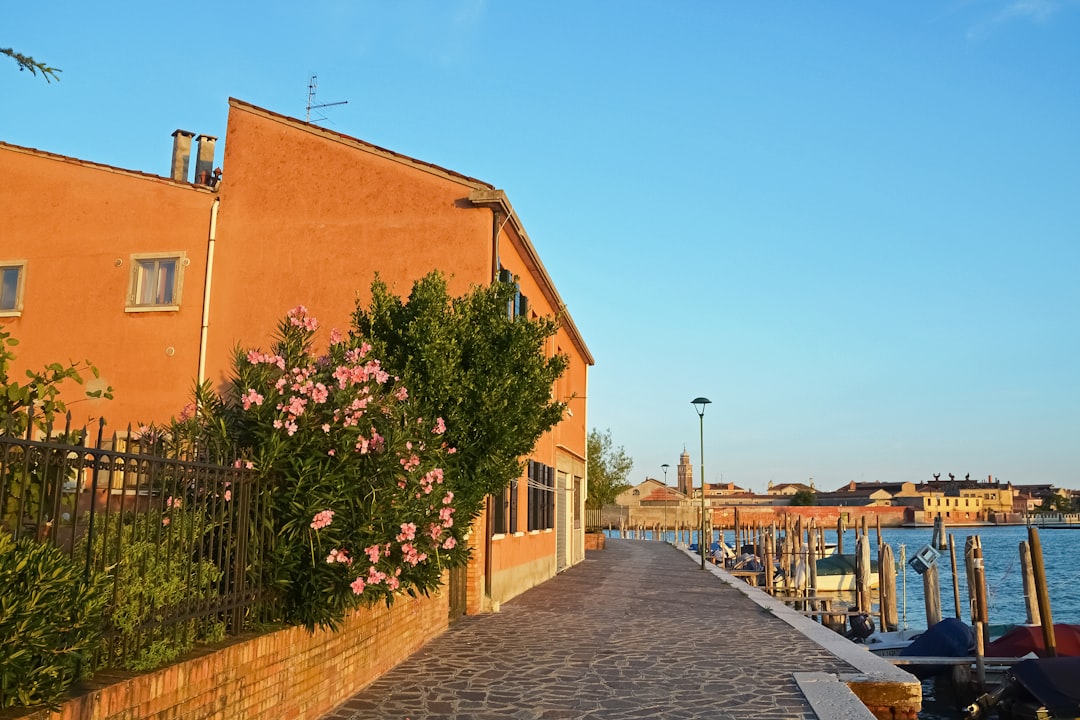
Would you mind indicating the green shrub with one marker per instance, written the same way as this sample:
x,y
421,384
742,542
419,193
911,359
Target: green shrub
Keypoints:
x,y
156,567
50,622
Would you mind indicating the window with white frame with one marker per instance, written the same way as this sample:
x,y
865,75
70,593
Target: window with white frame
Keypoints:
x,y
156,281
12,279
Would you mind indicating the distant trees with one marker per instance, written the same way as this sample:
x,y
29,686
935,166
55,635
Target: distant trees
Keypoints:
x,y
25,62
608,467
804,498
1056,504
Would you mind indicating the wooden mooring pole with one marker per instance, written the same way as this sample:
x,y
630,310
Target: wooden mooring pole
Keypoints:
x,y
890,619
1041,591
1031,602
931,596
862,572
955,576
982,610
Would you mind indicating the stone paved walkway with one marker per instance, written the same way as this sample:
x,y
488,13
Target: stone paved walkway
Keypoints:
x,y
635,631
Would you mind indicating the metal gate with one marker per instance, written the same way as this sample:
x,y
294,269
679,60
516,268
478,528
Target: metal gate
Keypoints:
x,y
458,587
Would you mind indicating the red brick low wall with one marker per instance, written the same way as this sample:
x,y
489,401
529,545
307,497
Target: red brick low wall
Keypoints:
x,y
594,541
289,674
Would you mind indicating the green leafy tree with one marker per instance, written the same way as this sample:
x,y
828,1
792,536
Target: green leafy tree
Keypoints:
x,y
41,393
466,360
1056,504
25,62
804,498
35,403
608,468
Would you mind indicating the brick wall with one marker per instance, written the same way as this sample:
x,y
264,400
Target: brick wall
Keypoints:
x,y
290,674
825,515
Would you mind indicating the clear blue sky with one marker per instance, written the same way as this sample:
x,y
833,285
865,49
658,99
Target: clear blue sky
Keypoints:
x,y
853,225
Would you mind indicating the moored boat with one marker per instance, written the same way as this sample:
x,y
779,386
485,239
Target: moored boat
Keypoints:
x,y
889,644
837,573
1024,639
1035,688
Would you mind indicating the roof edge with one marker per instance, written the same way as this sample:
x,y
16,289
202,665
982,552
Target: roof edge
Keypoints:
x,y
91,165
497,200
359,144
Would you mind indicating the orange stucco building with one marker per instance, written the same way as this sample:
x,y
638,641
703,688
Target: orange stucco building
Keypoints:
x,y
156,279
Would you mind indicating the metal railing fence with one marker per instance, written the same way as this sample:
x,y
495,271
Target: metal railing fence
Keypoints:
x,y
182,539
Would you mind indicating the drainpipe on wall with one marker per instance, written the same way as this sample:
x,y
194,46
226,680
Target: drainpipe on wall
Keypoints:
x,y
203,331
585,473
497,226
487,552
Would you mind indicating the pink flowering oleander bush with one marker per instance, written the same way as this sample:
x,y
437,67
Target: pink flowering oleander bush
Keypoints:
x,y
359,503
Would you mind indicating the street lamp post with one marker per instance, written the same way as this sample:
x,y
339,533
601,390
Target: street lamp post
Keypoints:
x,y
665,466
699,406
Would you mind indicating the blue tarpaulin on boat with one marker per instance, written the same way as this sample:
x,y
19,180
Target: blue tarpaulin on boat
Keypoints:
x,y
948,638
1054,682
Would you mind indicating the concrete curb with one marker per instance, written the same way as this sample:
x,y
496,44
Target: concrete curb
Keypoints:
x,y
886,690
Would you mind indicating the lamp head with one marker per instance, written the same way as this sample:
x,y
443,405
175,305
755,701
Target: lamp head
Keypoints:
x,y
699,405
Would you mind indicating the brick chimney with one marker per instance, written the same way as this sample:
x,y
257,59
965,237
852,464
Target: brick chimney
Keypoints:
x,y
181,155
204,163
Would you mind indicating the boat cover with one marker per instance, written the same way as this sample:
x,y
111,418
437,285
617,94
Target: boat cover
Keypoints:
x,y
1054,682
1023,639
841,565
948,638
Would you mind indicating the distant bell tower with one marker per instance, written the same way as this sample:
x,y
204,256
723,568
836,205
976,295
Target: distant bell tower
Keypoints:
x,y
686,474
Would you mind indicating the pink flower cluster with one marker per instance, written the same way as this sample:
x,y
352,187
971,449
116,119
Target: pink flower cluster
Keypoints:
x,y
365,445
440,427
187,412
430,480
251,397
411,555
257,358
299,317
322,519
375,575
355,374
374,552
339,556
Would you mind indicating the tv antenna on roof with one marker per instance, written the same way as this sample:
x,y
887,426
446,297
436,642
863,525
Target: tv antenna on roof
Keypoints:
x,y
313,84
